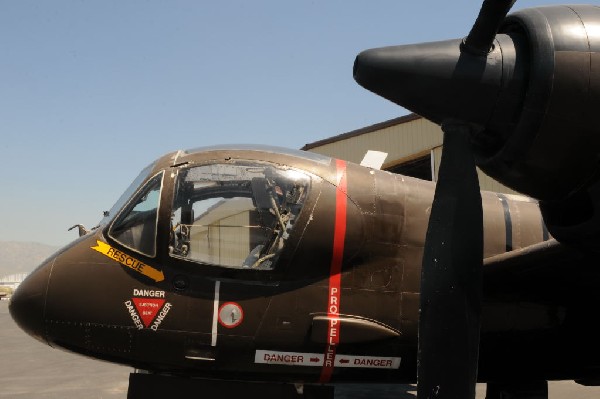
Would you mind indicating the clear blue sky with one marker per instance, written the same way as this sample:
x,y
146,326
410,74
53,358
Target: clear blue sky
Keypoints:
x,y
93,91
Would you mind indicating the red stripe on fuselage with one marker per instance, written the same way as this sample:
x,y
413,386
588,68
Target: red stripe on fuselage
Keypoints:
x,y
333,295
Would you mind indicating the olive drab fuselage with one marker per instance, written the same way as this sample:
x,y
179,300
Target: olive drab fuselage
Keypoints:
x,y
271,264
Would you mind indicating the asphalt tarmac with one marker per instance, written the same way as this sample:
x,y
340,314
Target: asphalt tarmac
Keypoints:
x,y
30,369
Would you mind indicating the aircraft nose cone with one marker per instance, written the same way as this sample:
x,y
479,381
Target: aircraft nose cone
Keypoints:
x,y
27,304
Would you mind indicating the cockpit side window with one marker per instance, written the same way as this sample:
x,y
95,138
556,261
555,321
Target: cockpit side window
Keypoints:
x,y
235,215
135,227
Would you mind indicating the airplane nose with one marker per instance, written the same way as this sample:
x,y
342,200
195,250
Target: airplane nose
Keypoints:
x,y
27,304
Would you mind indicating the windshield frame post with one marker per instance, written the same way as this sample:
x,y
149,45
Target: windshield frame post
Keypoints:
x,y
163,230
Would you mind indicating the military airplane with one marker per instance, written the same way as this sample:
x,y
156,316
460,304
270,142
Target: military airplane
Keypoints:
x,y
235,270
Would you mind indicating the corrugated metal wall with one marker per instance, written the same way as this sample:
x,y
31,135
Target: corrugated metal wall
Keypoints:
x,y
222,236
412,137
400,141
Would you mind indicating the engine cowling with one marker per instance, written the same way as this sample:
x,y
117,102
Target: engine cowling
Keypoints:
x,y
533,103
553,153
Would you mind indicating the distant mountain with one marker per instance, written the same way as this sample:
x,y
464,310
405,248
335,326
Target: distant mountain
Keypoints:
x,y
22,257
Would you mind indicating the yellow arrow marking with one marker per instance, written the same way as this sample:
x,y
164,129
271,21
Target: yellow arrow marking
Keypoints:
x,y
129,261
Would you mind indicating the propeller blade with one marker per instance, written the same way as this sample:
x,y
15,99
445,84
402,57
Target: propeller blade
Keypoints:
x,y
451,277
480,38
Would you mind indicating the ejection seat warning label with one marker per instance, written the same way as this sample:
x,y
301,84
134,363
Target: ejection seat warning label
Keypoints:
x,y
148,309
317,359
129,261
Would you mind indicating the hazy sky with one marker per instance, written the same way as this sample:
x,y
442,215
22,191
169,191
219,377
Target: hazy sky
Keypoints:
x,y
93,91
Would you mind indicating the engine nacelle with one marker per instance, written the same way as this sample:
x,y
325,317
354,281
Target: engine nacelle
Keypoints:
x,y
553,153
554,148
533,102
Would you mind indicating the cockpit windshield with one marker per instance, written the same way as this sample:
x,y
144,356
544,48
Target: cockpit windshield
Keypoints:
x,y
136,225
235,215
127,194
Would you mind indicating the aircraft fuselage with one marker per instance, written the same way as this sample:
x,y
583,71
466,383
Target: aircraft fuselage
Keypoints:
x,y
268,264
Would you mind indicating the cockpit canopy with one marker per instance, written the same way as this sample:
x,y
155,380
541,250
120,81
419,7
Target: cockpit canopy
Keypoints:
x,y
234,214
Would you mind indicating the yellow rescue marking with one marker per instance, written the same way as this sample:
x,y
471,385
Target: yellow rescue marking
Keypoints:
x,y
129,261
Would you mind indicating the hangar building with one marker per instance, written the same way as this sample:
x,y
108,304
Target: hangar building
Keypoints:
x,y
413,144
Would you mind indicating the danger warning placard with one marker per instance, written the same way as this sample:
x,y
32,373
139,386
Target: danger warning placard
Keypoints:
x,y
149,309
317,359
